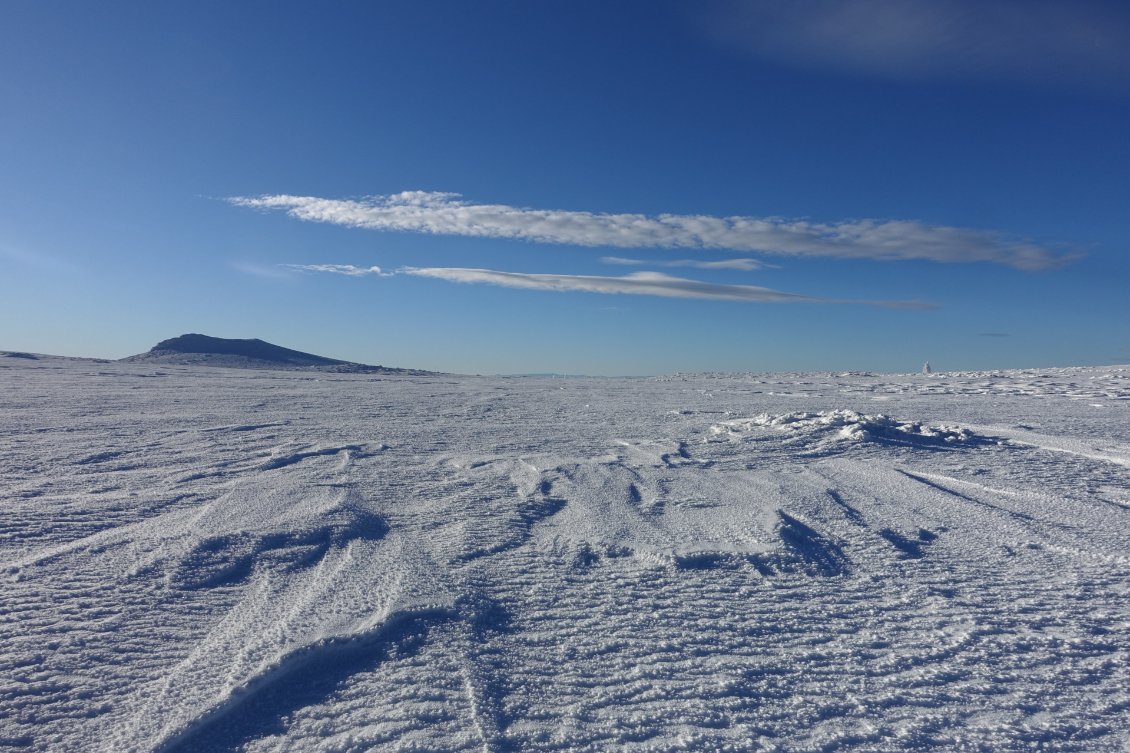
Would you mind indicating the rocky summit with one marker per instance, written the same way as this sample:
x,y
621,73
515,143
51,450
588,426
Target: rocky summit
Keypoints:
x,y
204,350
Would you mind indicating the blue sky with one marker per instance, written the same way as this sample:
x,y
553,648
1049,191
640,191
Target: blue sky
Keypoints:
x,y
598,187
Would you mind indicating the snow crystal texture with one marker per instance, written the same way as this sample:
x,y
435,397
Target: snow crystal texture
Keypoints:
x,y
204,559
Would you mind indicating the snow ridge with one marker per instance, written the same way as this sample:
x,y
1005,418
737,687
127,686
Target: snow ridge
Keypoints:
x,y
842,425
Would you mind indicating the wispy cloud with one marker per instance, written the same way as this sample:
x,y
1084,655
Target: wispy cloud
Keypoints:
x,y
637,283
339,269
740,265
1034,41
262,271
32,260
447,214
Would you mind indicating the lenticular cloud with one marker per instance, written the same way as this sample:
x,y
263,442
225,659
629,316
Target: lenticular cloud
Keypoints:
x,y
449,214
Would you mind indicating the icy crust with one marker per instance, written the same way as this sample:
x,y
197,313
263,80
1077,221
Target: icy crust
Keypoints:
x,y
316,569
825,427
200,560
1111,383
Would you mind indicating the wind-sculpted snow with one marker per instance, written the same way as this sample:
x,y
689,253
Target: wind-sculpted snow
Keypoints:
x,y
829,427
201,559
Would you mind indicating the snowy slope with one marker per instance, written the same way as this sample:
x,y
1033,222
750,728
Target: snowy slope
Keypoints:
x,y
204,559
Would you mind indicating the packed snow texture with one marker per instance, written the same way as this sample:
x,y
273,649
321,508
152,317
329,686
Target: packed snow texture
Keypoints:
x,y
204,559
827,427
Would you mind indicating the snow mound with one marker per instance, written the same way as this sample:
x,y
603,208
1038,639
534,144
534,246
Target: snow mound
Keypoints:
x,y
847,426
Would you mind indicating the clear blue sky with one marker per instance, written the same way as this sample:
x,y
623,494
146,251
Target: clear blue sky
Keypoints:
x,y
886,182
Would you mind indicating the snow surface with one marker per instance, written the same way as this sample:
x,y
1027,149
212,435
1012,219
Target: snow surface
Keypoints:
x,y
204,559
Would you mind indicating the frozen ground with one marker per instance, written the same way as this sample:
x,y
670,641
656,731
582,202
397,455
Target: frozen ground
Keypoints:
x,y
199,559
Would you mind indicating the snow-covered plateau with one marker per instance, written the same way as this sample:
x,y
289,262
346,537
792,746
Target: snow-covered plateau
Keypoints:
x,y
209,559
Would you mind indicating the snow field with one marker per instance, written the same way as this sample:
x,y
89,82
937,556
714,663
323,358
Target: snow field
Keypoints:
x,y
209,559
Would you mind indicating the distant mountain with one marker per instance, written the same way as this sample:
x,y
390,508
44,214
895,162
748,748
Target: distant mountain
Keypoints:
x,y
202,350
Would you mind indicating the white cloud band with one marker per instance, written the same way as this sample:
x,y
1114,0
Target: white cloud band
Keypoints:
x,y
447,214
339,269
740,265
637,283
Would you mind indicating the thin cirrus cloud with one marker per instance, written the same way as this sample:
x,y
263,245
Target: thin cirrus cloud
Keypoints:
x,y
637,283
1034,42
739,265
262,271
448,214
33,261
338,269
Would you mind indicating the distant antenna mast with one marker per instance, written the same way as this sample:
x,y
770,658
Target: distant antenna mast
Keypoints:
x,y
926,368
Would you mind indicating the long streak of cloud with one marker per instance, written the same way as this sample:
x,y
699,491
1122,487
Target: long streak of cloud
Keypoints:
x,y
740,265
339,269
637,283
447,214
